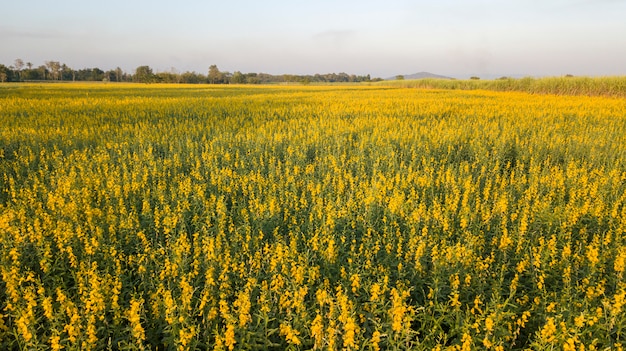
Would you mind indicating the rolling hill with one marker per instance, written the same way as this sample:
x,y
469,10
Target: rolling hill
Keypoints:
x,y
421,75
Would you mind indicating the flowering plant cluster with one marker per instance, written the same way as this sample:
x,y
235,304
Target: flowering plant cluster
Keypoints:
x,y
139,217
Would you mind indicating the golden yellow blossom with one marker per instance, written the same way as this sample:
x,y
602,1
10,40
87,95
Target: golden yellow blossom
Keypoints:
x,y
548,330
290,334
229,337
134,318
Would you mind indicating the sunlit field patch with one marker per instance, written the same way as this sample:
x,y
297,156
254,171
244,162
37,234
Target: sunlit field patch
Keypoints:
x,y
301,217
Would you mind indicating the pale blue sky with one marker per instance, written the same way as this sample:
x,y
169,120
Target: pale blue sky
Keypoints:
x,y
381,38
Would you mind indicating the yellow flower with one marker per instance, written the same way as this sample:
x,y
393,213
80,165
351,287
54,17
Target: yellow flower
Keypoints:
x,y
374,292
133,315
355,282
476,308
580,321
540,281
398,310
619,302
290,334
54,343
375,340
487,343
229,337
350,329
317,331
468,280
489,324
243,308
23,323
521,322
321,296
455,282
570,344
454,299
47,308
548,331
620,262
466,342
185,335
593,255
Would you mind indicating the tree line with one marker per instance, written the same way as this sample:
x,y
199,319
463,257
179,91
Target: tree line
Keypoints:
x,y
21,71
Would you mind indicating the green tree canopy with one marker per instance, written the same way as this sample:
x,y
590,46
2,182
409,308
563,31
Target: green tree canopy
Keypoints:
x,y
215,76
144,74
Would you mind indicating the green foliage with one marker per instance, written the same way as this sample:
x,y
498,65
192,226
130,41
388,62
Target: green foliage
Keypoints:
x,y
144,74
605,86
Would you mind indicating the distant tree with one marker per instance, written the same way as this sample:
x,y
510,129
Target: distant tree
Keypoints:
x,y
175,75
97,74
90,74
168,77
83,74
238,78
192,78
29,73
399,77
253,80
18,64
54,67
43,72
345,77
3,74
143,74
118,74
226,77
67,73
268,78
54,70
171,76
474,78
215,76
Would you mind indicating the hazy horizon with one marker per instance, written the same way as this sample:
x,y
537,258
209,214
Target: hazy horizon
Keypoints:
x,y
451,37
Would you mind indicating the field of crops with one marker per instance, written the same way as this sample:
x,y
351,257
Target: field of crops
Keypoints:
x,y
299,217
596,86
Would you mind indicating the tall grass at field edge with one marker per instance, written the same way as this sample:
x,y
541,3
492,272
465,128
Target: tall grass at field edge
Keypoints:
x,y
589,86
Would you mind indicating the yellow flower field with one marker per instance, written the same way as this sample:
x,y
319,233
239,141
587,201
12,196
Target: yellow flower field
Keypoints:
x,y
148,217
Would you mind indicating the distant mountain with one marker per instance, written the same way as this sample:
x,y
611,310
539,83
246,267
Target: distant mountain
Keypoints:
x,y
422,75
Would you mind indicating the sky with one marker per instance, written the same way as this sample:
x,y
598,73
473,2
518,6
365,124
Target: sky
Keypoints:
x,y
485,38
